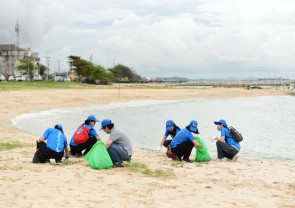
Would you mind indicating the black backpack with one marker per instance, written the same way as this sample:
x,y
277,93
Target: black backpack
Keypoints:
x,y
237,136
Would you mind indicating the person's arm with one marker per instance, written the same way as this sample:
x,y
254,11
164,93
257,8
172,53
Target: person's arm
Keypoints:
x,y
162,141
67,155
41,139
220,138
197,144
108,143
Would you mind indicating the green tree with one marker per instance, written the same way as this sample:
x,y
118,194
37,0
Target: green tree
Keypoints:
x,y
124,73
27,66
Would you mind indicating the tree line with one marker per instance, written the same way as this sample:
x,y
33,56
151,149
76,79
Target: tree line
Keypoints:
x,y
86,71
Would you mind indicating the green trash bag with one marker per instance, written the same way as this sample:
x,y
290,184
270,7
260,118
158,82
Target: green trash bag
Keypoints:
x,y
202,154
98,157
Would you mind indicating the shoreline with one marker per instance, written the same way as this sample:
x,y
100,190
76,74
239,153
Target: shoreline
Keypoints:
x,y
205,184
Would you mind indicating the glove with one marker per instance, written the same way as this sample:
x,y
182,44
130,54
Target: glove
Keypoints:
x,y
158,149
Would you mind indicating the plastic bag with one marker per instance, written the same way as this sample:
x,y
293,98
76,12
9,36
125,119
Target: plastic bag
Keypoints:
x,y
98,157
202,154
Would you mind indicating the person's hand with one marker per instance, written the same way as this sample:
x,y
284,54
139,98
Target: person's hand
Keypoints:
x,y
158,149
213,138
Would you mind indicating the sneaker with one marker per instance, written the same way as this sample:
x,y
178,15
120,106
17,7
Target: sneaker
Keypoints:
x,y
117,165
235,157
188,160
58,162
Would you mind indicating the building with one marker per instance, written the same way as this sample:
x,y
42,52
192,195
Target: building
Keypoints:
x,y
9,56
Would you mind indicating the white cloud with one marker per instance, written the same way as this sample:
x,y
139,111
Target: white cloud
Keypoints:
x,y
162,38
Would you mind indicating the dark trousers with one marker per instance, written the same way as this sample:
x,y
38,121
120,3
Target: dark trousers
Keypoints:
x,y
184,149
167,142
80,147
44,153
225,150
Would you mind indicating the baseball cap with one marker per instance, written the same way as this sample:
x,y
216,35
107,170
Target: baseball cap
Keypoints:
x,y
58,126
221,121
194,126
104,123
169,125
92,118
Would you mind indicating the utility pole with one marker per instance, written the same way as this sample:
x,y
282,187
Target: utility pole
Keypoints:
x,y
47,60
58,62
17,31
91,56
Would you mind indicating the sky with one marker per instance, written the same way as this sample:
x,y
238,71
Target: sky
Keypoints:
x,y
198,39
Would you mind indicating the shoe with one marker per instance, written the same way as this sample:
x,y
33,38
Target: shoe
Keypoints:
x,y
58,162
175,158
117,165
188,160
235,157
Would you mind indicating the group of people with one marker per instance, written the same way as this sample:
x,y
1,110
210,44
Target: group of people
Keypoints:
x,y
182,141
53,143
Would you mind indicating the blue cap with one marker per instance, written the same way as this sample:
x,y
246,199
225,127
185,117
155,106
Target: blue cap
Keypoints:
x,y
169,125
92,118
221,121
104,123
59,126
194,126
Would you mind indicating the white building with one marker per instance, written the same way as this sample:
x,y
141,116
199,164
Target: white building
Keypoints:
x,y
9,56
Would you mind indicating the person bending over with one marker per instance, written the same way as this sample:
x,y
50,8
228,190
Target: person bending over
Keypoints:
x,y
85,137
184,141
171,129
118,145
51,145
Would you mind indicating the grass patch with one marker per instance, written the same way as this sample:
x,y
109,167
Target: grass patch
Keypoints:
x,y
31,85
199,164
6,167
177,164
13,145
143,168
232,172
68,162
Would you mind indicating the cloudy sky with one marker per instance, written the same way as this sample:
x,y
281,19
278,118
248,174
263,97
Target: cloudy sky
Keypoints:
x,y
187,38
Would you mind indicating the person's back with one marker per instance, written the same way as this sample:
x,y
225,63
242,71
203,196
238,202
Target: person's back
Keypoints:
x,y
56,140
121,139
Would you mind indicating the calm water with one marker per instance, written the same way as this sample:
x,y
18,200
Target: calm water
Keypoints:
x,y
266,123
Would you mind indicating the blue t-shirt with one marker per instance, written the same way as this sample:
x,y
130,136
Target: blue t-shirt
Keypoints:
x,y
167,132
228,138
92,133
56,140
182,136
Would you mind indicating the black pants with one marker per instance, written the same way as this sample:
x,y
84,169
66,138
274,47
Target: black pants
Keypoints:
x,y
80,147
167,142
184,149
44,153
225,150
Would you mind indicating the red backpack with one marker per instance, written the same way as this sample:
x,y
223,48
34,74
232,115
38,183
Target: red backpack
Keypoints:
x,y
81,135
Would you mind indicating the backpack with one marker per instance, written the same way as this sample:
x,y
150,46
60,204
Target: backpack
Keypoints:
x,y
81,134
237,136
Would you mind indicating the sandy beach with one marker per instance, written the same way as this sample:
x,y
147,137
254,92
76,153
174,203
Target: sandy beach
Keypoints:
x,y
245,183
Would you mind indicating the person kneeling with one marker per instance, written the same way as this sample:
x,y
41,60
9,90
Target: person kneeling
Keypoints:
x,y
54,148
118,145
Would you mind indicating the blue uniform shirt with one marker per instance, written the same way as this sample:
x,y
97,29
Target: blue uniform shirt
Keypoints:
x,y
182,136
228,138
168,132
92,133
56,140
